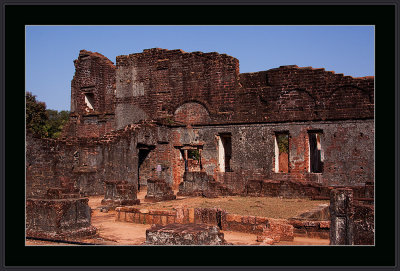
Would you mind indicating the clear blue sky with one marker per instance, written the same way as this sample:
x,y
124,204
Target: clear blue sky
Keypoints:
x,y
50,50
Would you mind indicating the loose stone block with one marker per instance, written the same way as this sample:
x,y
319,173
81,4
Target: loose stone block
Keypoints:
x,y
187,234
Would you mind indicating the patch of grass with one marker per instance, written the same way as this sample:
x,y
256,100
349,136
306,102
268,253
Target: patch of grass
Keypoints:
x,y
255,206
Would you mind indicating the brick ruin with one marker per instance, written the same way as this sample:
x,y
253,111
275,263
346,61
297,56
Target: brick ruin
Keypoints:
x,y
192,122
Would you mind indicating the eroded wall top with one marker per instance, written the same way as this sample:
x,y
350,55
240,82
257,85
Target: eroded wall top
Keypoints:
x,y
206,88
159,83
93,85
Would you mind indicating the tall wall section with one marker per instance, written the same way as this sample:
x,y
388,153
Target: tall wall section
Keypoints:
x,y
153,84
92,96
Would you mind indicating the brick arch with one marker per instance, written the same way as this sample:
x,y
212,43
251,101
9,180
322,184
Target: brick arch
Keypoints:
x,y
192,112
296,100
352,90
348,100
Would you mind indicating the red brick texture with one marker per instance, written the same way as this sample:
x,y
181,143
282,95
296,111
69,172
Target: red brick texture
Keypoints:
x,y
94,77
191,100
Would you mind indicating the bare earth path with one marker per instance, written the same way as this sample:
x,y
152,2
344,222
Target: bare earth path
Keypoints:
x,y
126,233
113,232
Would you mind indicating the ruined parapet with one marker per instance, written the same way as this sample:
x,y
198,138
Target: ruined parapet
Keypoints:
x,y
342,214
119,193
61,215
158,190
284,95
187,234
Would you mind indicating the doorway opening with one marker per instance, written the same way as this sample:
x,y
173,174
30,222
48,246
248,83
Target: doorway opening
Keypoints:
x,y
143,153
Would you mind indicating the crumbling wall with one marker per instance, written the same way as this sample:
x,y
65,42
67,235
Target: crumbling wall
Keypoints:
x,y
158,82
171,84
347,152
87,163
92,96
49,164
203,99
292,93
55,207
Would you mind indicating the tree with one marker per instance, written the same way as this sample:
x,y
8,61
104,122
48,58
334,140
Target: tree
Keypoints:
x,y
55,122
35,115
44,122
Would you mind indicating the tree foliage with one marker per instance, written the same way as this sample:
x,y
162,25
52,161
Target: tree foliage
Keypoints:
x,y
44,122
194,154
55,122
35,115
283,143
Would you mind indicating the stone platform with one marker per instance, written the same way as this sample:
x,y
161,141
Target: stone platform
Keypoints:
x,y
63,218
187,234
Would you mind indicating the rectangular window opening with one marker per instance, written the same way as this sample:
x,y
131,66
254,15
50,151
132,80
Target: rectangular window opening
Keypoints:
x,y
316,153
225,152
194,154
282,152
89,100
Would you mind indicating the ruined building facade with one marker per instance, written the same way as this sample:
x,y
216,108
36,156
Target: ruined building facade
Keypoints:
x,y
196,122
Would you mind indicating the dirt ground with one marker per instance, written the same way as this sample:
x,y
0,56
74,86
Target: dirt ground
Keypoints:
x,y
257,206
111,232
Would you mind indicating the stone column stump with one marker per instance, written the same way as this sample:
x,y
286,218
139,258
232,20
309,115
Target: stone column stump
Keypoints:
x,y
342,214
120,193
158,190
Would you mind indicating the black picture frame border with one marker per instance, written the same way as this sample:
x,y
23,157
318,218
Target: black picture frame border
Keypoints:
x,y
15,255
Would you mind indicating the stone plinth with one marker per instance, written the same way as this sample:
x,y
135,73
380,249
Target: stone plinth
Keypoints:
x,y
187,234
60,218
197,184
119,193
158,190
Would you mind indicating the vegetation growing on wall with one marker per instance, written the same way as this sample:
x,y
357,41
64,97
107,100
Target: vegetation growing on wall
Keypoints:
x,y
194,154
